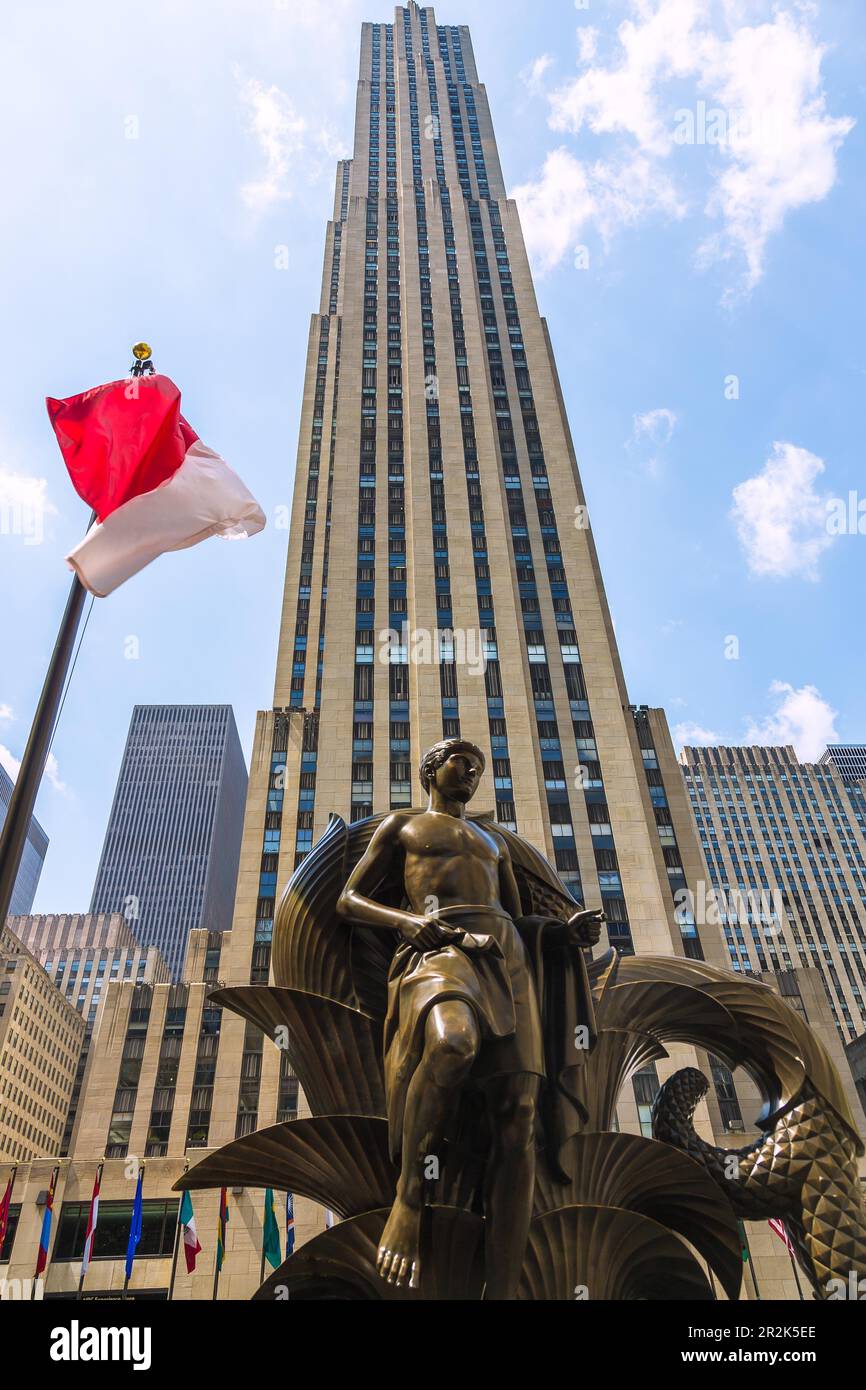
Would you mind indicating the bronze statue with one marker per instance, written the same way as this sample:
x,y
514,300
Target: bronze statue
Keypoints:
x,y
462,1008
441,908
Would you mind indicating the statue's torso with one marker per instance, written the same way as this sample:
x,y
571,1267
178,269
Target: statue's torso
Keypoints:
x,y
450,860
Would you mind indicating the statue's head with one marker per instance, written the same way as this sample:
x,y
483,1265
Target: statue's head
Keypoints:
x,y
454,767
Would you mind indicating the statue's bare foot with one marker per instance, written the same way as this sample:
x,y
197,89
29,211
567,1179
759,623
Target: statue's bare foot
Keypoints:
x,y
399,1261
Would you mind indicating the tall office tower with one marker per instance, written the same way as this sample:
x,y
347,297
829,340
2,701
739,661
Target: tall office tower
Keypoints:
x,y
35,849
442,577
787,863
83,954
170,858
849,758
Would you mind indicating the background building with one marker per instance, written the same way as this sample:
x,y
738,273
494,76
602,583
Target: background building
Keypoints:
x,y
35,849
170,857
40,1042
83,953
849,759
787,868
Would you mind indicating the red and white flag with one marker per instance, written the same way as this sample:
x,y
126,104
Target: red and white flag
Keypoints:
x,y
152,483
779,1228
91,1225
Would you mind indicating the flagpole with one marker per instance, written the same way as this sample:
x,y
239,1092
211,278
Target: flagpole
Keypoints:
x,y
13,836
176,1245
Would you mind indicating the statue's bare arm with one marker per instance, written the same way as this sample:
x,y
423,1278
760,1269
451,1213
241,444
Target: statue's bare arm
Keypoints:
x,y
357,904
509,893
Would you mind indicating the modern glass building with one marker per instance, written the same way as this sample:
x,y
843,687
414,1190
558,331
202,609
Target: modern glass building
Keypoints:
x,y
170,859
35,849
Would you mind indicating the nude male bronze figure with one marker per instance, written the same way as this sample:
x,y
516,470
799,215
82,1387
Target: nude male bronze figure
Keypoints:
x,y
463,1007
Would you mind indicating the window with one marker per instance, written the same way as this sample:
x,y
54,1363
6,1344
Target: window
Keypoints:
x,y
158,1222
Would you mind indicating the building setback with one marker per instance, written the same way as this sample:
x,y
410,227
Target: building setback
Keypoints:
x,y
170,857
35,849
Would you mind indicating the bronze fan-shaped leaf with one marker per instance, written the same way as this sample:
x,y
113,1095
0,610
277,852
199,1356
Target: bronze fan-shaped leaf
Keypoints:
x,y
335,1051
603,1253
339,1161
341,1263
644,1176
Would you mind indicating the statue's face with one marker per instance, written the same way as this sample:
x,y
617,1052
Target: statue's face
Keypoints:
x,y
458,777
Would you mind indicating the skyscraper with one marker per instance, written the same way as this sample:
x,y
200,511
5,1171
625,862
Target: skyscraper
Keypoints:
x,y
35,849
169,862
442,575
787,860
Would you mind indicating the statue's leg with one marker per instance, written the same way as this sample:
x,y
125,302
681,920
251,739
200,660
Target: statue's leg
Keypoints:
x,y
510,1181
451,1041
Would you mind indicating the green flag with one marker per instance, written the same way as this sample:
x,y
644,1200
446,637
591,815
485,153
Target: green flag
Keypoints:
x,y
271,1232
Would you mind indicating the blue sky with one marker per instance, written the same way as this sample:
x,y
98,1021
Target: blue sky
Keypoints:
x,y
692,182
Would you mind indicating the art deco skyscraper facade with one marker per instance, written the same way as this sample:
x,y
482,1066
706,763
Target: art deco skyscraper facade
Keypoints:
x,y
437,491
169,862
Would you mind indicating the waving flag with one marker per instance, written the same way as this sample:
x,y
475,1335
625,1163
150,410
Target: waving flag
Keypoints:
x,y
152,483
290,1224
135,1224
91,1223
47,1216
4,1210
191,1247
222,1222
271,1232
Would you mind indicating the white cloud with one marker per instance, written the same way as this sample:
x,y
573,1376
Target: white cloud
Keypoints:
x,y
656,425
13,765
6,713
24,506
532,75
803,718
781,520
757,68
687,735
287,142
570,196
781,145
587,43
9,762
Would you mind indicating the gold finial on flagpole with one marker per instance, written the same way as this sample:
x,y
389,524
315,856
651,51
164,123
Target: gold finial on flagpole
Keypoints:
x,y
143,365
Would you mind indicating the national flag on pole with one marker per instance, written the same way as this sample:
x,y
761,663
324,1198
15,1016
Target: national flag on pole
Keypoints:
x,y
45,1234
91,1224
222,1222
290,1224
4,1211
779,1228
271,1232
135,1224
191,1247
143,469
